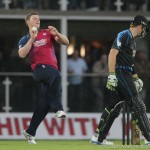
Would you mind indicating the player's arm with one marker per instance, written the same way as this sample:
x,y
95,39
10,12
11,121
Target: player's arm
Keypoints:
x,y
112,80
116,48
134,74
112,60
23,51
60,38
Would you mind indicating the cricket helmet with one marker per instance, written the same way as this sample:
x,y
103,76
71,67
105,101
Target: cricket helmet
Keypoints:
x,y
141,20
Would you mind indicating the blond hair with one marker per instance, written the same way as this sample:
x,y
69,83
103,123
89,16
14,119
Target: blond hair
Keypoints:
x,y
27,18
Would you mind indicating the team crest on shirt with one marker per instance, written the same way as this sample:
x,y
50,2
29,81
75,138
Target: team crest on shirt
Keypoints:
x,y
40,42
118,43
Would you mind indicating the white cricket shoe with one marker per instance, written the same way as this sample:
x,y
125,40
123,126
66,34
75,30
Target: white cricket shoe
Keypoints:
x,y
30,138
60,114
94,137
146,142
94,140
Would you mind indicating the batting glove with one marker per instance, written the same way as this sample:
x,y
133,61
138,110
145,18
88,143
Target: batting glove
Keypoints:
x,y
111,82
138,84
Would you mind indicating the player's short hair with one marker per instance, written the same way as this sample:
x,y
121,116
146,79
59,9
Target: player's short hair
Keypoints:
x,y
133,25
29,16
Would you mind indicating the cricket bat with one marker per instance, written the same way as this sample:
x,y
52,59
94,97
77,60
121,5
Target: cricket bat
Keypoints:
x,y
135,133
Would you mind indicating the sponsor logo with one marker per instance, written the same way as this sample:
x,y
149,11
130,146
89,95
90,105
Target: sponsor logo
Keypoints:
x,y
75,126
40,42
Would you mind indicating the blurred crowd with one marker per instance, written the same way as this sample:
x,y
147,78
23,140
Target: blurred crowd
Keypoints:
x,y
90,5
93,87
86,93
87,78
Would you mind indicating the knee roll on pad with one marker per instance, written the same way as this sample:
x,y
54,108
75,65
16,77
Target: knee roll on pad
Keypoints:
x,y
110,114
117,109
107,119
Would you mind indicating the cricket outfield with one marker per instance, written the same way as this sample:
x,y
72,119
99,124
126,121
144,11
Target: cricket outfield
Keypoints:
x,y
65,145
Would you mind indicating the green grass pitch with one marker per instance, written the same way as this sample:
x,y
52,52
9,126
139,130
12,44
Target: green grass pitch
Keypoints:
x,y
65,145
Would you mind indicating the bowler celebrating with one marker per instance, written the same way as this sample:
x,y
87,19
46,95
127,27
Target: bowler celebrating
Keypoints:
x,y
38,45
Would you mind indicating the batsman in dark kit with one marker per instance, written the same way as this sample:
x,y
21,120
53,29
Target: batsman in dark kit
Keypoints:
x,y
123,84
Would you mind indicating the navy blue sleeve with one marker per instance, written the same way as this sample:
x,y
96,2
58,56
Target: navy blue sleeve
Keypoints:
x,y
121,40
23,41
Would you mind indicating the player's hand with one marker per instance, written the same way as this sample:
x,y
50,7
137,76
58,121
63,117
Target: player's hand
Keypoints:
x,y
112,82
138,84
33,34
53,30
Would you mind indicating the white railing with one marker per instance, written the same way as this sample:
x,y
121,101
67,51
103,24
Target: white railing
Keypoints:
x,y
7,82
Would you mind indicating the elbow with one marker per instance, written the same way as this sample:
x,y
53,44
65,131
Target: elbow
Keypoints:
x,y
67,42
21,55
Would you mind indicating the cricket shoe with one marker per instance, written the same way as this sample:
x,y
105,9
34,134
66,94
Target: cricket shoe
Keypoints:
x,y
94,140
146,142
60,114
30,138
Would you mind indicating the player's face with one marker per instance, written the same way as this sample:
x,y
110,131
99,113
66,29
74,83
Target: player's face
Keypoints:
x,y
34,21
141,31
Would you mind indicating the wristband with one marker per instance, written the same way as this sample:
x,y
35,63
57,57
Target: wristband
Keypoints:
x,y
112,73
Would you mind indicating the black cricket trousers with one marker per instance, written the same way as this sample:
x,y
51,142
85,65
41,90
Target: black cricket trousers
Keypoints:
x,y
50,79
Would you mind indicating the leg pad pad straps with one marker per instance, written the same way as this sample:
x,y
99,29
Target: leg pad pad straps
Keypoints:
x,y
138,109
107,119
